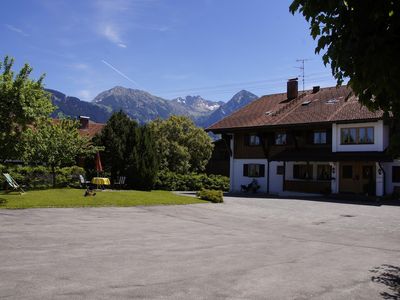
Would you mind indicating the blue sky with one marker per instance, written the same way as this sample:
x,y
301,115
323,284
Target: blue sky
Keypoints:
x,y
170,48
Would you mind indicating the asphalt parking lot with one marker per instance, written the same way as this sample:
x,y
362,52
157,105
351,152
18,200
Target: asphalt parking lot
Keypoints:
x,y
243,249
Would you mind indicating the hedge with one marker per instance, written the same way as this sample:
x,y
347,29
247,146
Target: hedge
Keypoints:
x,y
39,177
211,195
191,182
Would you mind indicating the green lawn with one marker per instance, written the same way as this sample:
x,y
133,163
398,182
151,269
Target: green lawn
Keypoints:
x,y
74,198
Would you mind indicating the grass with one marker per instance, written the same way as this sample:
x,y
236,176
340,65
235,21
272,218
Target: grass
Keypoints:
x,y
74,198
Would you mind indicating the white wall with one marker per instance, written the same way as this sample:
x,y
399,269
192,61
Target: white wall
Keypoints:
x,y
388,173
276,181
335,177
237,178
381,137
379,182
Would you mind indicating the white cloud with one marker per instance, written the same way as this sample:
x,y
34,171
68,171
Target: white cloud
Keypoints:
x,y
112,33
80,66
16,29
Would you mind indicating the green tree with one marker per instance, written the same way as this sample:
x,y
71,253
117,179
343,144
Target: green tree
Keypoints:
x,y
143,161
56,144
23,102
182,146
118,137
361,40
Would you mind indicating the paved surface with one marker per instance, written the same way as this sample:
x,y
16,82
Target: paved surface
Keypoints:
x,y
243,249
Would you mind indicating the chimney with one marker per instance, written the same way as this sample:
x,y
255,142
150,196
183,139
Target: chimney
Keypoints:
x,y
84,122
292,88
315,89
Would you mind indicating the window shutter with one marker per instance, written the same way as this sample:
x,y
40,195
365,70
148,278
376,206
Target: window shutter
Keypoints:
x,y
329,136
310,138
245,170
262,170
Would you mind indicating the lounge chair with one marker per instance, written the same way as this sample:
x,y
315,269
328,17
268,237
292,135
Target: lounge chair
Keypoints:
x,y
84,183
13,184
120,182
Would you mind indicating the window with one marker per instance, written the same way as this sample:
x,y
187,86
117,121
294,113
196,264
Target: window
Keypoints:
x,y
347,172
302,171
320,137
396,174
362,135
253,170
279,170
280,139
324,172
254,140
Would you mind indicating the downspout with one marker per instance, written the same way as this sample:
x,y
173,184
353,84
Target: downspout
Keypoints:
x,y
384,178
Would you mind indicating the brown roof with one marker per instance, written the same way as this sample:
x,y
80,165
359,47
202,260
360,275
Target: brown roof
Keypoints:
x,y
92,129
328,105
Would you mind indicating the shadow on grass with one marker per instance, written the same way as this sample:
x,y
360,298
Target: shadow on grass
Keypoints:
x,y
389,276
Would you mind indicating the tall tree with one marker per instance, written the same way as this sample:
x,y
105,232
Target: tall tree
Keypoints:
x,y
361,40
182,146
56,144
23,102
118,138
143,161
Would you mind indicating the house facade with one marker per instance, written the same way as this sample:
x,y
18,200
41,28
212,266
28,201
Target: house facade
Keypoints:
x,y
319,141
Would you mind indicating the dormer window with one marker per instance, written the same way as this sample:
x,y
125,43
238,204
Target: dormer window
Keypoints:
x,y
254,140
360,135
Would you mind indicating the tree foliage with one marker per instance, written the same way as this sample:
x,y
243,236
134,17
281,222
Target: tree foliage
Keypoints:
x,y
56,144
129,150
143,162
362,42
23,102
182,146
118,138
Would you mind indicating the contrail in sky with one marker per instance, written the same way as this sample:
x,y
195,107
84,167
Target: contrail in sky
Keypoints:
x,y
119,72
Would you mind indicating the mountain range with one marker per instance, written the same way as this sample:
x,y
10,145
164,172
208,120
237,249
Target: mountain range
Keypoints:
x,y
144,107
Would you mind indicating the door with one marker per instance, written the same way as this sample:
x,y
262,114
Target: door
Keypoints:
x,y
357,177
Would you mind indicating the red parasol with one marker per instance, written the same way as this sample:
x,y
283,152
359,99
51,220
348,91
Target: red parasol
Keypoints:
x,y
99,167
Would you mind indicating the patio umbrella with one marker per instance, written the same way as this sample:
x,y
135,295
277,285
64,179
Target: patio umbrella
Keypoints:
x,y
99,167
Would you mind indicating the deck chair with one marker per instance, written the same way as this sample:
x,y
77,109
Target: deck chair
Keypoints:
x,y
120,182
13,184
84,183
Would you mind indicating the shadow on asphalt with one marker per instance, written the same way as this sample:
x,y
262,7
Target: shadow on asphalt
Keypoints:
x,y
389,276
340,199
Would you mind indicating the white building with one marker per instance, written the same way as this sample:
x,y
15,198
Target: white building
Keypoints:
x,y
322,141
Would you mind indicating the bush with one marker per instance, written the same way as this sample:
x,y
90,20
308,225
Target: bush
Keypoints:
x,y
211,195
191,182
39,177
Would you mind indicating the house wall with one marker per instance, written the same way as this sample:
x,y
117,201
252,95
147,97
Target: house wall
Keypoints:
x,y
381,137
238,179
276,181
387,167
245,151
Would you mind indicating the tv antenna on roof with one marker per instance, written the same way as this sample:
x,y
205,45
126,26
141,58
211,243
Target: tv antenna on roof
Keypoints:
x,y
302,69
